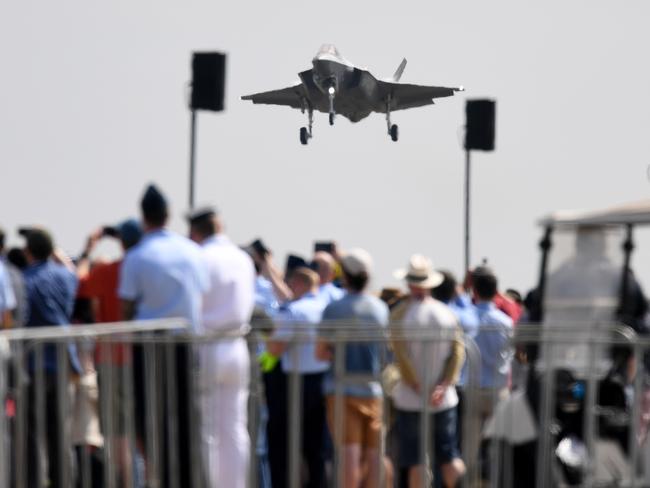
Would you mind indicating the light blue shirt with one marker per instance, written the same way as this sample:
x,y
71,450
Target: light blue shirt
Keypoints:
x,y
466,313
492,339
265,299
303,315
329,292
165,275
467,316
361,358
7,297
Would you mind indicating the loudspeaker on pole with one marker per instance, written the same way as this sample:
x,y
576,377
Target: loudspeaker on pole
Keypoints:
x,y
208,81
480,128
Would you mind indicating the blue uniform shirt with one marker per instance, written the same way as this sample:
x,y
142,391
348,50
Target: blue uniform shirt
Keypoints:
x,y
166,276
329,292
303,314
51,290
492,339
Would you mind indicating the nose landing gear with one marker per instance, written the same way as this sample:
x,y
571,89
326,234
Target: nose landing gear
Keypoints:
x,y
393,131
331,91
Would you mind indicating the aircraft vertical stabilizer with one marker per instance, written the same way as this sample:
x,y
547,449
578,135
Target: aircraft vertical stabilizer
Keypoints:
x,y
400,70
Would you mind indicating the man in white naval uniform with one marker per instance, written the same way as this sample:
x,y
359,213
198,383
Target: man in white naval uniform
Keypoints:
x,y
225,363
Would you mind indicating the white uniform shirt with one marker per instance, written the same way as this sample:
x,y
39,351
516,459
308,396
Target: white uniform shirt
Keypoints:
x,y
165,275
230,299
432,314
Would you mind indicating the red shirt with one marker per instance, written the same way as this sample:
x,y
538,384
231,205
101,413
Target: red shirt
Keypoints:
x,y
511,308
101,284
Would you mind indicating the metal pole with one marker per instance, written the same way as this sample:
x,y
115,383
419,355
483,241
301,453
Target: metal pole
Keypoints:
x,y
624,311
467,206
192,156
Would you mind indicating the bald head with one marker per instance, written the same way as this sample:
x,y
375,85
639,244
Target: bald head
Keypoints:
x,y
325,266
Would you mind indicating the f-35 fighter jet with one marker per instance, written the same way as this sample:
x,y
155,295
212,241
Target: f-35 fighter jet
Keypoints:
x,y
334,85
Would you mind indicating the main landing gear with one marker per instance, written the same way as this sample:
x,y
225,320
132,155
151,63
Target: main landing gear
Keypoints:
x,y
393,132
305,132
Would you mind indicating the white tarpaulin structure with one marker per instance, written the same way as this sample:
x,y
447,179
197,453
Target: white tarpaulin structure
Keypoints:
x,y
584,279
635,213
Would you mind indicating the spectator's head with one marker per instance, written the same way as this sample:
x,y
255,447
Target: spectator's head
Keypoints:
x,y
154,208
484,284
204,223
357,268
302,280
419,276
2,240
16,256
515,296
325,266
293,263
391,296
130,233
39,245
447,290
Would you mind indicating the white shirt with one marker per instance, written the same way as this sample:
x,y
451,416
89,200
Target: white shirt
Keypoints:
x,y
435,315
165,276
229,301
7,298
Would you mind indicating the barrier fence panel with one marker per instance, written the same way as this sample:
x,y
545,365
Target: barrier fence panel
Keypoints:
x,y
140,405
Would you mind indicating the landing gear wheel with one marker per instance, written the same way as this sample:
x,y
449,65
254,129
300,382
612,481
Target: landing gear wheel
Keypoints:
x,y
394,135
304,136
331,119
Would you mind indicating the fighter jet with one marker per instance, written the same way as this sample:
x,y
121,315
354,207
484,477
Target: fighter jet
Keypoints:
x,y
334,85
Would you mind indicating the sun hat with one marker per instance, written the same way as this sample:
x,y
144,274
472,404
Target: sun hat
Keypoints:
x,y
420,273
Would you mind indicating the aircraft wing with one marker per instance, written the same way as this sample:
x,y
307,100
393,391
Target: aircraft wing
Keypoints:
x,y
291,96
404,95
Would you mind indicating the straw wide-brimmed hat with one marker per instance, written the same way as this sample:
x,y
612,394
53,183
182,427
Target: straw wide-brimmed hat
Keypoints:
x,y
420,273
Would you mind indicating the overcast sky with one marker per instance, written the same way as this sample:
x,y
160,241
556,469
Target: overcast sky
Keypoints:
x,y
93,107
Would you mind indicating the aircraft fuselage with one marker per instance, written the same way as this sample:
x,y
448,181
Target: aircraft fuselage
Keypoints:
x,y
354,95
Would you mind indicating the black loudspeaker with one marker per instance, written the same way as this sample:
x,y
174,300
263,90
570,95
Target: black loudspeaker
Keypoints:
x,y
208,81
480,127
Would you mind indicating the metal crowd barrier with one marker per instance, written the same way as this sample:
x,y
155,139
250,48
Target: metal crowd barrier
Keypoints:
x,y
36,385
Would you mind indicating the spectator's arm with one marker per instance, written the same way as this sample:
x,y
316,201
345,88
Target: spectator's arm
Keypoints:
x,y
128,309
274,275
323,350
455,361
61,257
276,348
83,265
7,319
400,350
404,364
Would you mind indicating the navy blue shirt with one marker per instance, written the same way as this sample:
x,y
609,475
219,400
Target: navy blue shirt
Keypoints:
x,y
51,290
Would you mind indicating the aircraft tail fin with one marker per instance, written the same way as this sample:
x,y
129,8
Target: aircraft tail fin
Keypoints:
x,y
400,70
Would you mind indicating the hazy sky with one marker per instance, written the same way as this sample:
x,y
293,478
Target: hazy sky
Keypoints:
x,y
93,107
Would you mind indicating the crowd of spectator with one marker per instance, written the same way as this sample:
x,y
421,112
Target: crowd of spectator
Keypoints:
x,y
217,286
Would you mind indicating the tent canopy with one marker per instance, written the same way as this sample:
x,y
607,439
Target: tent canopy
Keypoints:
x,y
635,213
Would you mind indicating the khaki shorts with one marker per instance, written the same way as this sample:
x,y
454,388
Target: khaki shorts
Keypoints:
x,y
362,420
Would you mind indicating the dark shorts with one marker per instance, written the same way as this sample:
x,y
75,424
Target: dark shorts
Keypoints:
x,y
444,441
